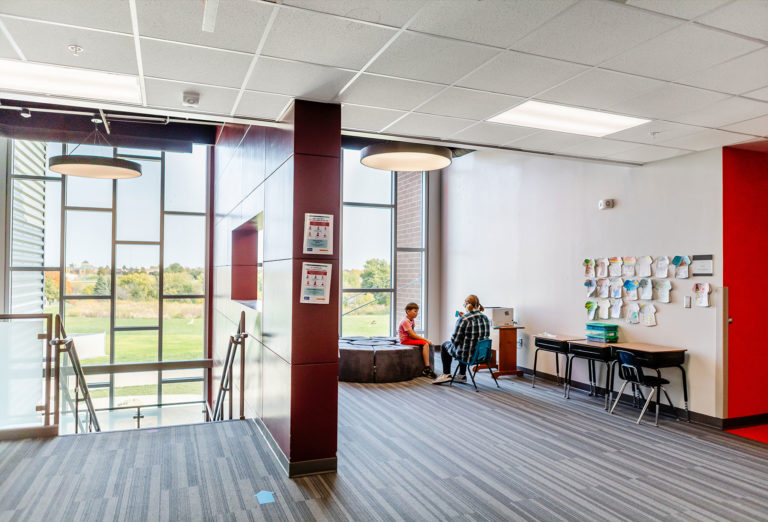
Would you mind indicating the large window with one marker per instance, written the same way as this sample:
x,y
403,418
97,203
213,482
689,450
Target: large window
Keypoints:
x,y
383,254
122,261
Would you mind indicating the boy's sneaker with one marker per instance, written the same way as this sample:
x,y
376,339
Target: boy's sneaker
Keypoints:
x,y
460,378
446,377
427,372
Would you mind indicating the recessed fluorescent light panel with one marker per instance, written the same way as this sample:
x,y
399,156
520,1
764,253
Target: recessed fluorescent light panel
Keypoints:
x,y
560,118
66,81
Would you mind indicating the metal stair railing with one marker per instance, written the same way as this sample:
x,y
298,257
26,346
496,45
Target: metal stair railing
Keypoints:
x,y
225,386
64,344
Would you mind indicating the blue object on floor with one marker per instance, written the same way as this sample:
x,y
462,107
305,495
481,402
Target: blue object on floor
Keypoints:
x,y
265,497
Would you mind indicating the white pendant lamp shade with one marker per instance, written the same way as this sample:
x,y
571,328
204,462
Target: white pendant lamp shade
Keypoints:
x,y
405,157
95,167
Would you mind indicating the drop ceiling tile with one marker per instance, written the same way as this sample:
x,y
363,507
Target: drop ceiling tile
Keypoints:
x,y
491,22
187,63
730,110
47,43
238,26
298,79
98,14
755,126
357,117
521,74
6,50
747,17
668,101
593,31
760,94
647,154
598,88
655,132
736,76
547,141
470,104
322,39
427,125
388,93
707,139
681,52
492,134
384,12
167,94
598,148
428,58
261,105
688,9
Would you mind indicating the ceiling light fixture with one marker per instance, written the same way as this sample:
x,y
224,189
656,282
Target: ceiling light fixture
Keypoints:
x,y
54,80
550,116
94,166
405,157
25,113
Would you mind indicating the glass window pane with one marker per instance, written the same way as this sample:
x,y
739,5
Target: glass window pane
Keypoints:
x,y
138,205
88,252
98,387
136,285
410,285
184,256
363,184
36,219
182,391
87,322
183,327
27,295
89,192
139,346
21,364
185,180
125,151
410,198
134,389
365,314
367,247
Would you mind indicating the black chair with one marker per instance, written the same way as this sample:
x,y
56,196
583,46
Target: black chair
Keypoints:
x,y
631,370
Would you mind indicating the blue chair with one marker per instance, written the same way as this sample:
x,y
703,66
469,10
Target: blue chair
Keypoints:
x,y
481,355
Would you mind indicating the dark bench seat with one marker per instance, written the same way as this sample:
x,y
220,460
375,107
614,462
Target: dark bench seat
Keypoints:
x,y
379,359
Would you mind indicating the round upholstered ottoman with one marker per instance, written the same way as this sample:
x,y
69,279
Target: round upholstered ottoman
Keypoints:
x,y
379,359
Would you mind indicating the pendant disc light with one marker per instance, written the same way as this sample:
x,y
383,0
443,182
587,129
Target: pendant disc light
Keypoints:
x,y
98,167
405,157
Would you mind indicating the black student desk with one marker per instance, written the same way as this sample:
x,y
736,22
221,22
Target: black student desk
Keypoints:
x,y
557,344
593,352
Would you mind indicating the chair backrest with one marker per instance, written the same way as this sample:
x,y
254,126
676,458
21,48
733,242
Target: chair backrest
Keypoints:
x,y
630,369
482,353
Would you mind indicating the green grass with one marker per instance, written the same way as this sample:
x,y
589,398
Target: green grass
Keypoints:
x,y
178,388
181,340
365,325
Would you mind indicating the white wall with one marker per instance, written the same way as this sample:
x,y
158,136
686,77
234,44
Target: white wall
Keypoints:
x,y
516,228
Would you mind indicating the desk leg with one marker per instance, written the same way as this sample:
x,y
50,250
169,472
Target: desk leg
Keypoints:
x,y
557,368
535,360
608,394
591,371
611,380
685,394
568,370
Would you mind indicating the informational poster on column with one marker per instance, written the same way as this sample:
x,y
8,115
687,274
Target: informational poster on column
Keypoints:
x,y
315,283
318,234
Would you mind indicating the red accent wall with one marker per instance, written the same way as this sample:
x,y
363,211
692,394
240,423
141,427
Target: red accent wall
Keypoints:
x,y
292,356
745,227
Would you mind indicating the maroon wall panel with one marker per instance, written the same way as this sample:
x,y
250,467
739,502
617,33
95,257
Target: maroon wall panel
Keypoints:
x,y
314,399
316,125
279,147
315,335
317,189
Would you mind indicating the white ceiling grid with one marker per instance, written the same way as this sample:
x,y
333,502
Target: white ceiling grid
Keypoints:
x,y
431,69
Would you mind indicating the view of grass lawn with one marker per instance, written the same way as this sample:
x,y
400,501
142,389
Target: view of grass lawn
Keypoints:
x,y
365,325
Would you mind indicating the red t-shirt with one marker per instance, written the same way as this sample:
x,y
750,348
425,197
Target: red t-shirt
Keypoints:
x,y
405,325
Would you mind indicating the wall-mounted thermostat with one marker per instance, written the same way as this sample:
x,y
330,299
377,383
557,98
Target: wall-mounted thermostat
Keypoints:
x,y
606,203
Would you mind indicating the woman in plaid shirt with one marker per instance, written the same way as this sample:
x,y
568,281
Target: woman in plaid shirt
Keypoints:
x,y
470,328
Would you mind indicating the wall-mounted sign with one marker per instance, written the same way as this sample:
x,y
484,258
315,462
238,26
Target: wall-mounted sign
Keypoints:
x,y
318,234
702,265
315,283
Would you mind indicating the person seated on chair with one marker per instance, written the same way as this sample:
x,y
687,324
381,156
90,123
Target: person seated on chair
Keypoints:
x,y
470,328
408,336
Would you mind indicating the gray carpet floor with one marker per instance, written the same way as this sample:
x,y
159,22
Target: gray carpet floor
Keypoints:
x,y
407,451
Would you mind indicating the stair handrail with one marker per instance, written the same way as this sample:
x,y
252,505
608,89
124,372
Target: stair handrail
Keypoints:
x,y
225,386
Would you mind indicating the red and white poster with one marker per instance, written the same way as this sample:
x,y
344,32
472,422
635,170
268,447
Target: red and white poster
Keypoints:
x,y
315,283
318,234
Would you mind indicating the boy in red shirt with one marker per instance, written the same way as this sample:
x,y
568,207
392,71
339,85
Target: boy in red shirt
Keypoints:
x,y
408,336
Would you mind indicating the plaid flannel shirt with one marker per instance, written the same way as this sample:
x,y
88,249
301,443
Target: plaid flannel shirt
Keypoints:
x,y
470,328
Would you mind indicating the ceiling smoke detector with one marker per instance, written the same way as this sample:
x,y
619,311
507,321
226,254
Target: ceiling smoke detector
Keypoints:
x,y
190,99
75,49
